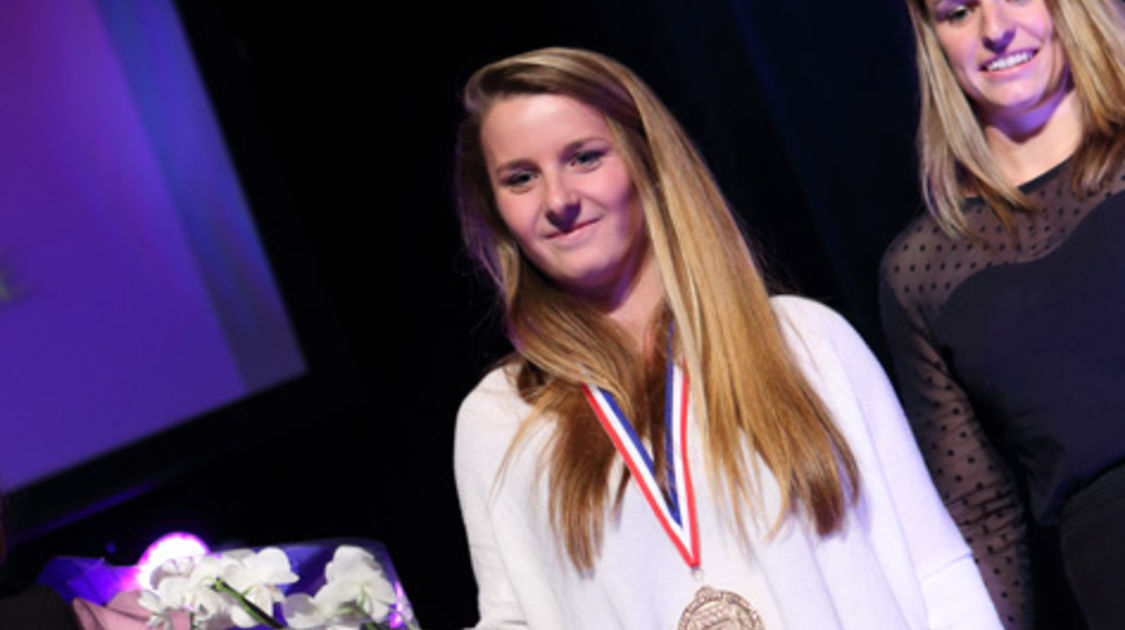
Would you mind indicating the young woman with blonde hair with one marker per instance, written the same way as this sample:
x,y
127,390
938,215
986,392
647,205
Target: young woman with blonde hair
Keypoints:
x,y
1003,305
668,444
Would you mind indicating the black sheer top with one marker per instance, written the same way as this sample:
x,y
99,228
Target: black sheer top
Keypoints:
x,y
1009,352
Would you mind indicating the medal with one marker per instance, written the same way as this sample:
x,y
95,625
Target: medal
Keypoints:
x,y
719,610
711,608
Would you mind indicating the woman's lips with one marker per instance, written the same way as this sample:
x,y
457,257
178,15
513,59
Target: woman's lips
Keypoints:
x,y
1008,60
576,229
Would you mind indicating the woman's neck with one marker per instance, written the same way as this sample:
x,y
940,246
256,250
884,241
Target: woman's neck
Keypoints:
x,y
1029,146
640,303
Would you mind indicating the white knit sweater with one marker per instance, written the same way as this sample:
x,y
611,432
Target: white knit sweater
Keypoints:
x,y
898,562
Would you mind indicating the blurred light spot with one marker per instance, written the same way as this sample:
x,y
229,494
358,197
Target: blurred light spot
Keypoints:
x,y
167,547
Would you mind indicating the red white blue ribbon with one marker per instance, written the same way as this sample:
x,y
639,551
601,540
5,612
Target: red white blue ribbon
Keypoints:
x,y
677,513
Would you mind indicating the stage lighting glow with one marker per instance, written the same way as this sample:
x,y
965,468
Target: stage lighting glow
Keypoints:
x,y
396,617
167,547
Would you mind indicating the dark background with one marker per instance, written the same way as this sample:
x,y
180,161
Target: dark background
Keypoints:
x,y
340,121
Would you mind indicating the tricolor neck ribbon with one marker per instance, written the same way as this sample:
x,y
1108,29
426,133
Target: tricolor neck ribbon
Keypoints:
x,y
676,513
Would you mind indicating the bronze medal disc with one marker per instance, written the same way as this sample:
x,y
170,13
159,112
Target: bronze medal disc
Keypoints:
x,y
713,609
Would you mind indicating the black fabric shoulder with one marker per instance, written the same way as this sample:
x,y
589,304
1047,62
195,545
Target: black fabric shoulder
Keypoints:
x,y
37,608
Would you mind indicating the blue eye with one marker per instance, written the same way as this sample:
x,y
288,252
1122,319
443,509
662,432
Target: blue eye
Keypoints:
x,y
587,159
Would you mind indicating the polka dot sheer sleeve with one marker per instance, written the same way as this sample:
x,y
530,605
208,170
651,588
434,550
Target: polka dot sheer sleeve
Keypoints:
x,y
980,325
970,476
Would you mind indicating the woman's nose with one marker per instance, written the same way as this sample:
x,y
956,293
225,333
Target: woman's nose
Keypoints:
x,y
996,26
561,202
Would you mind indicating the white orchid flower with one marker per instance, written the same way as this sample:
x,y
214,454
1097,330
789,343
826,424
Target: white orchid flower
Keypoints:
x,y
209,607
206,587
173,567
355,577
256,576
184,584
221,590
356,591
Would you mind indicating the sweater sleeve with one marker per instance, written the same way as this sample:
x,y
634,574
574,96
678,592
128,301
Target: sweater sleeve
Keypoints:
x,y
973,482
904,515
478,449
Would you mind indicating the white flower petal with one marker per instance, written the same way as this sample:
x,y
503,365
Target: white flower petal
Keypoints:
x,y
381,589
162,620
349,560
178,567
302,613
151,602
375,608
334,595
235,555
273,566
172,590
239,577
266,569
241,618
208,603
207,569
263,596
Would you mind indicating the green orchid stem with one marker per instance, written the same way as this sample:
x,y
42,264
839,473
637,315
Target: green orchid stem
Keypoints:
x,y
370,624
258,614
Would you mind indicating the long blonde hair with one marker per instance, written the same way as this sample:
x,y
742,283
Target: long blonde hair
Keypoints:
x,y
749,392
955,161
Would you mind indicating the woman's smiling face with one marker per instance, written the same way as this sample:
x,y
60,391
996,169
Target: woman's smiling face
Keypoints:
x,y
1004,53
564,191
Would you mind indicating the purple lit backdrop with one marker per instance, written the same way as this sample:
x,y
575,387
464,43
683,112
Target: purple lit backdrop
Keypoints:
x,y
133,291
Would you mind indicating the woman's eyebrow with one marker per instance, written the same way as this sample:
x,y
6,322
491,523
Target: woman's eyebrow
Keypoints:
x,y
512,164
578,144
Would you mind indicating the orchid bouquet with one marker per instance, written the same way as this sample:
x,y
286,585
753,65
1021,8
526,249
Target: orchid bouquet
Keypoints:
x,y
242,588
